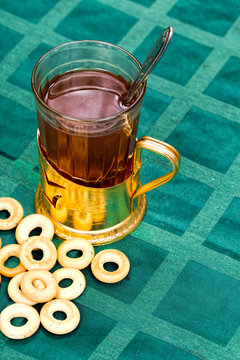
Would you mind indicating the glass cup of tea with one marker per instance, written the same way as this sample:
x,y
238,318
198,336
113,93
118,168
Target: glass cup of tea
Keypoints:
x,y
89,157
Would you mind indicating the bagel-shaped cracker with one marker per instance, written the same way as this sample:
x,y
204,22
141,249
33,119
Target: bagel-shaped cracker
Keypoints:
x,y
19,310
35,243
15,211
114,256
55,326
75,244
32,222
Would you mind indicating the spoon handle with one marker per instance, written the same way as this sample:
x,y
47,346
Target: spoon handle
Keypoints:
x,y
151,61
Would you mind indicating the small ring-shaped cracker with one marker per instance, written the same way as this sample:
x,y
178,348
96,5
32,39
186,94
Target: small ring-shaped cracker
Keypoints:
x,y
35,243
19,310
55,326
75,289
6,252
114,256
37,294
75,244
15,292
32,222
15,210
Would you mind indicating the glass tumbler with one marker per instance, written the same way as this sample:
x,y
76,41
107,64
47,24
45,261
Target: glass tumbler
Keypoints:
x,y
89,156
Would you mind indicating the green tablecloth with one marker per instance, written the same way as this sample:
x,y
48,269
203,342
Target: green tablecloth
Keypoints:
x,y
181,299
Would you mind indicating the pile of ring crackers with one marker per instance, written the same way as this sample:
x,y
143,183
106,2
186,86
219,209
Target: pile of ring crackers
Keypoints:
x,y
32,282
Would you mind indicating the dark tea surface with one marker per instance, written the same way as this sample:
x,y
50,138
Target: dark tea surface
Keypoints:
x,y
86,94
102,155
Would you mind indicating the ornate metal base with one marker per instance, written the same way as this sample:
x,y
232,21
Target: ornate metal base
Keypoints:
x,y
100,215
97,237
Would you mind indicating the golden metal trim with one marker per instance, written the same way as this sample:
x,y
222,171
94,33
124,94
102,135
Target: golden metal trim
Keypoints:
x,y
162,148
102,215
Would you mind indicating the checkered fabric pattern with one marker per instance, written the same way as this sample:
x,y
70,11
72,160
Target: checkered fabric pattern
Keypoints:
x,y
181,299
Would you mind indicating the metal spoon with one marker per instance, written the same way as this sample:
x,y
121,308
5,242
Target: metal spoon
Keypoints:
x,y
149,64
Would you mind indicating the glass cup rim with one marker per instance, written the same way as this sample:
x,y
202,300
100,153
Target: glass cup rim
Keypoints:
x,y
90,120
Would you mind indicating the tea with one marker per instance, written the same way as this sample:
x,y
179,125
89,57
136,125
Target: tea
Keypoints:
x,y
95,151
87,136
